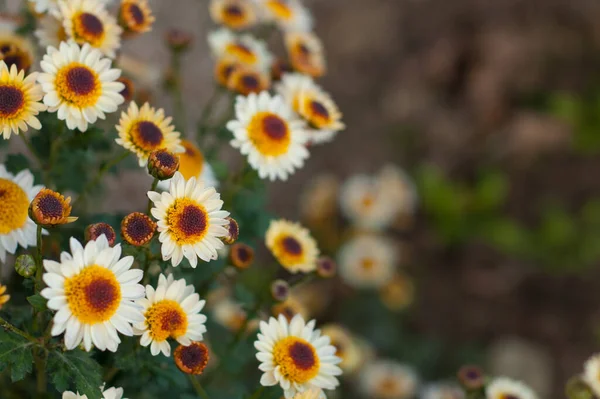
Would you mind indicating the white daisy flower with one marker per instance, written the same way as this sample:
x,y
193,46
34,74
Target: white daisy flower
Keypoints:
x,y
442,390
289,15
79,84
170,311
367,261
347,347
88,21
245,49
296,356
312,394
502,388
93,291
16,228
387,379
292,245
50,31
591,373
190,221
110,393
193,164
306,53
398,188
43,6
269,133
313,104
235,14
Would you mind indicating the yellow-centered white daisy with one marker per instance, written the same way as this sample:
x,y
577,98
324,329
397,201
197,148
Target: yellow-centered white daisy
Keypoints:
x,y
190,220
88,21
143,130
292,245
245,49
172,310
20,98
306,54
79,84
313,104
289,15
50,31
367,261
192,164
93,291
16,228
388,379
311,394
503,388
296,356
270,134
591,373
235,14
109,393
16,50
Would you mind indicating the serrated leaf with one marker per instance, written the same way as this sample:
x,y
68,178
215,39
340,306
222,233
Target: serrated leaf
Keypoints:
x,y
38,302
16,354
78,368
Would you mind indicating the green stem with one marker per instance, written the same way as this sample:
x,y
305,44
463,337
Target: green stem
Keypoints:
x,y
258,392
197,387
153,188
40,367
9,327
101,172
207,111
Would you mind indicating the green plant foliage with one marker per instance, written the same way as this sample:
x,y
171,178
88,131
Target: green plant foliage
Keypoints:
x,y
77,370
16,354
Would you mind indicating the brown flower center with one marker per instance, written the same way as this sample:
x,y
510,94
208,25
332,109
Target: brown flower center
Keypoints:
x,y
11,101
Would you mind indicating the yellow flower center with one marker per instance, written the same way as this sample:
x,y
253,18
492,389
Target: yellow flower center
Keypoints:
x,y
166,319
12,101
288,250
280,9
297,359
316,113
187,220
367,264
89,28
269,133
147,136
390,388
242,53
13,212
93,295
191,162
234,15
78,85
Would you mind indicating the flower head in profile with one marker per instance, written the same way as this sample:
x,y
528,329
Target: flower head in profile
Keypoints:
x,y
314,105
88,21
305,51
109,393
289,15
92,289
144,130
296,356
268,132
20,101
136,16
79,84
501,388
234,14
385,379
190,221
192,163
172,310
245,49
16,227
368,261
4,297
292,245
16,50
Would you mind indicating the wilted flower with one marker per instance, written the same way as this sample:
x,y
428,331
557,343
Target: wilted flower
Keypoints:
x,y
137,229
94,231
241,255
135,16
162,164
292,245
233,231
25,266
50,208
192,359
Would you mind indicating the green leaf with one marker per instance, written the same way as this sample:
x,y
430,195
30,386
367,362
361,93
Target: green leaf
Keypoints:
x,y
16,354
16,163
76,367
38,302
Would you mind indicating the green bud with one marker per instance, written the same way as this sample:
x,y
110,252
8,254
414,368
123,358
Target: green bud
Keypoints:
x,y
25,266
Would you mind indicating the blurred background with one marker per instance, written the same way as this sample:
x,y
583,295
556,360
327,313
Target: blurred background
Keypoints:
x,y
493,108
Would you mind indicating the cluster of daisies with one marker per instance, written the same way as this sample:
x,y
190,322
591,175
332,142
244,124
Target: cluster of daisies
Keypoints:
x,y
280,110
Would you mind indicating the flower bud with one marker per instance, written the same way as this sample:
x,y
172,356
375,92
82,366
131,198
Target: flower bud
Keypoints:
x,y
192,359
471,377
326,267
233,231
50,208
280,290
241,255
137,229
94,231
179,40
25,266
162,164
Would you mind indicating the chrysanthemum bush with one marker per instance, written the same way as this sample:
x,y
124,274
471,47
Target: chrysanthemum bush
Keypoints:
x,y
201,291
